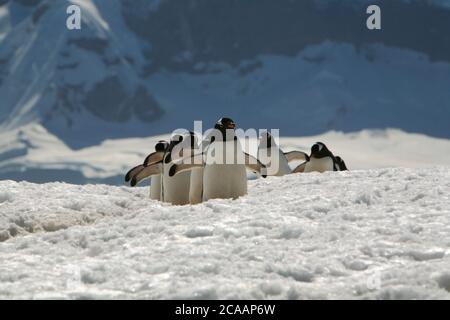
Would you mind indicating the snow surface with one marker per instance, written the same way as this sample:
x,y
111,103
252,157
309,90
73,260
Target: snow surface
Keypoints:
x,y
367,234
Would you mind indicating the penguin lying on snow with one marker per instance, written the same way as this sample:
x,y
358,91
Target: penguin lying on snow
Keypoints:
x,y
223,164
275,160
142,171
321,160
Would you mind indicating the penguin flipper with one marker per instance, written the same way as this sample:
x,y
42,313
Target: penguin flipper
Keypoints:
x,y
254,164
196,158
146,173
153,158
130,174
341,164
178,168
300,168
296,155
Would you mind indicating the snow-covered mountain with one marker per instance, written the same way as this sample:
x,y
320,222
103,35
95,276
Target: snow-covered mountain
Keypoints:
x,y
144,67
141,68
71,80
369,234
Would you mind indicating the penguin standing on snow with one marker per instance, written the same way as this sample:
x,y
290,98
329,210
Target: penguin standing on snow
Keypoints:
x,y
223,164
187,186
174,190
321,160
275,160
156,184
224,177
144,171
196,182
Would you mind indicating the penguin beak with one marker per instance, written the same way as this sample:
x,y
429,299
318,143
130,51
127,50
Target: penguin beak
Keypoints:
x,y
231,125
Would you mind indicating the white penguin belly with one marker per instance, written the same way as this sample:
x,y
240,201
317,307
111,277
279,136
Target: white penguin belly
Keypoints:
x,y
319,165
196,186
175,190
224,181
225,174
155,188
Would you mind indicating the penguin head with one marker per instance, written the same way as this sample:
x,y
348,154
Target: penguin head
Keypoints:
x,y
174,140
225,125
266,140
320,150
161,146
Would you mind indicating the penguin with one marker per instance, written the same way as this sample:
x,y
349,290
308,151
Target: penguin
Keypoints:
x,y
155,157
196,186
275,160
223,164
142,172
196,174
156,183
175,190
321,160
224,179
196,182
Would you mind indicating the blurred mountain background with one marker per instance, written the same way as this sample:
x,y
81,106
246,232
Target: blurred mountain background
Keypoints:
x,y
141,68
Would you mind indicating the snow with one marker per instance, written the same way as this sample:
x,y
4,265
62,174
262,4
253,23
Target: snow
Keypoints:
x,y
363,234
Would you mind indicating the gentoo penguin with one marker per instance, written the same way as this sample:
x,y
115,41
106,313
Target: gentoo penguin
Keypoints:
x,y
196,174
196,182
152,158
320,160
275,160
175,190
223,163
143,172
156,183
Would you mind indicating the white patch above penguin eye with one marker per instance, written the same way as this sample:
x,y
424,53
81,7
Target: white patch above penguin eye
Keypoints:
x,y
320,146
